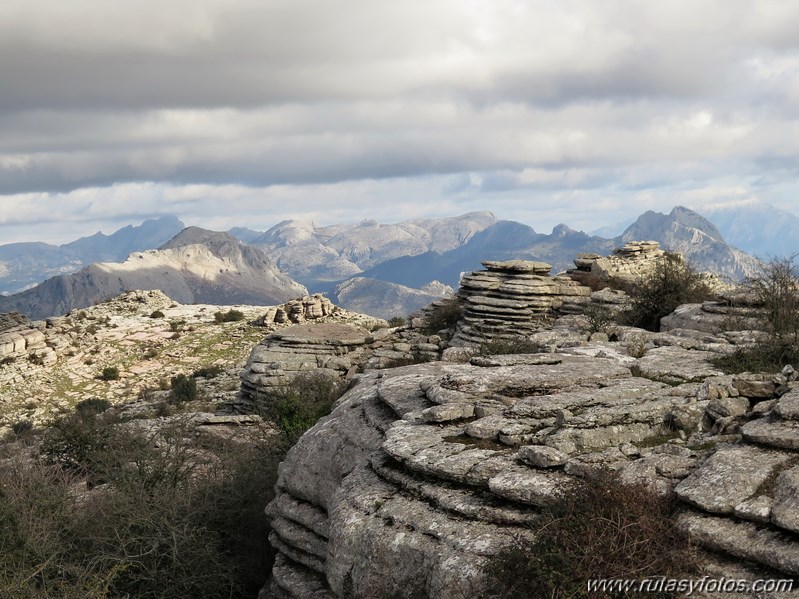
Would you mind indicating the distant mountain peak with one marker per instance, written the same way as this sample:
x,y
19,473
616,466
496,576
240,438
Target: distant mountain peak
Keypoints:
x,y
195,235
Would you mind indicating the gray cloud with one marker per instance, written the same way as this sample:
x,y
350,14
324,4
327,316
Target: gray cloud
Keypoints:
x,y
536,109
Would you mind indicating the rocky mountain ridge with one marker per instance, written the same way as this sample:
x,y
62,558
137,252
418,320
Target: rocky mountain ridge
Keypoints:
x,y
23,265
314,255
383,269
195,266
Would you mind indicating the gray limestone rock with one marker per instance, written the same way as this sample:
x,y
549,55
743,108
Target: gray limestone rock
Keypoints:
x,y
530,486
542,456
729,477
785,512
675,365
787,406
745,540
755,509
777,433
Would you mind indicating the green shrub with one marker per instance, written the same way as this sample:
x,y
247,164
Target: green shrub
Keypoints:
x,y
171,524
776,291
229,316
92,329
92,406
110,373
604,529
671,283
208,372
444,316
20,427
396,321
298,405
184,388
76,442
601,318
156,314
177,325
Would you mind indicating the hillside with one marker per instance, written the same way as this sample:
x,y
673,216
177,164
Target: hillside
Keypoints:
x,y
195,266
23,265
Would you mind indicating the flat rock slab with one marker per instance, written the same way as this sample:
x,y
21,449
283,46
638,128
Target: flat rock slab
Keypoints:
x,y
729,477
330,333
785,512
539,268
777,433
788,406
744,540
533,487
542,456
676,365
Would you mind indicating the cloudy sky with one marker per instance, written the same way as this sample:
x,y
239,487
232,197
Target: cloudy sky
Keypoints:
x,y
247,112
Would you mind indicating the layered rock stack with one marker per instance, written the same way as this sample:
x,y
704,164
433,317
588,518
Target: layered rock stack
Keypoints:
x,y
331,348
629,263
310,307
512,299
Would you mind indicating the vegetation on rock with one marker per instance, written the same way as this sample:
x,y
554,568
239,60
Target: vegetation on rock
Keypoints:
x,y
671,283
229,316
604,529
776,294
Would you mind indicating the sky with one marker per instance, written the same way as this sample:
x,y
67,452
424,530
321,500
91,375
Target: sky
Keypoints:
x,y
248,112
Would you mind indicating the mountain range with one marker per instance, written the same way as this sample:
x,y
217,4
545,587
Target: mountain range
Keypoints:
x,y
757,228
195,266
385,270
23,265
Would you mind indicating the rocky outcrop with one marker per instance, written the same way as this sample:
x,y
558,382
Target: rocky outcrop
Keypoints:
x,y
510,299
626,264
145,335
432,469
328,348
748,490
22,342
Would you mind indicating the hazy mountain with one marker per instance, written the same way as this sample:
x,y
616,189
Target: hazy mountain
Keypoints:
x,y
695,237
317,255
23,265
117,246
384,299
612,231
757,228
195,266
244,234
503,240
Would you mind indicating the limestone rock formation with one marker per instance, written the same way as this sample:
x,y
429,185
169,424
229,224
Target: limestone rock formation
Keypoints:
x,y
433,468
511,298
627,264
